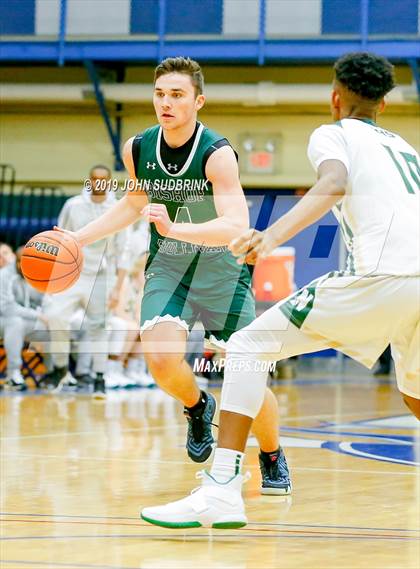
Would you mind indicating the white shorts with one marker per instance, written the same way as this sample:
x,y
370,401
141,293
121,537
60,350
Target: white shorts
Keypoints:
x,y
358,316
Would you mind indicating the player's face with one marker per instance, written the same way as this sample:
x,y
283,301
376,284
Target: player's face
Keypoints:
x,y
98,177
175,101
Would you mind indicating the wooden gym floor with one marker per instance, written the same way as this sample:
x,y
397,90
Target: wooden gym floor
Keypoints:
x,y
75,474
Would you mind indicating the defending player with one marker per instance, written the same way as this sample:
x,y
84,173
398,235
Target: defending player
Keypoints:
x,y
189,174
371,178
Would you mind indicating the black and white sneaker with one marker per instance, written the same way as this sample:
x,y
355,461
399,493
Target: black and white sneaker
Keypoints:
x,y
99,388
275,474
200,439
53,379
16,382
84,381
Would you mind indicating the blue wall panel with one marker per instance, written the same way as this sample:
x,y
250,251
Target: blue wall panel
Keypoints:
x,y
194,17
385,17
182,16
17,17
340,17
307,267
144,16
393,17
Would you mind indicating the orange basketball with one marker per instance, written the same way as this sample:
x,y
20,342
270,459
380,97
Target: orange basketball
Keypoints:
x,y
51,261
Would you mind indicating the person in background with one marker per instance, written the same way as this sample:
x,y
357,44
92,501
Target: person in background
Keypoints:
x,y
97,289
20,317
126,365
6,254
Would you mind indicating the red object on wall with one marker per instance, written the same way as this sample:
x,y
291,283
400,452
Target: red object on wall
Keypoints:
x,y
273,277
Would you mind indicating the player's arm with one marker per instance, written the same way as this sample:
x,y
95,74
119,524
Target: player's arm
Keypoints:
x,y
125,211
328,190
232,212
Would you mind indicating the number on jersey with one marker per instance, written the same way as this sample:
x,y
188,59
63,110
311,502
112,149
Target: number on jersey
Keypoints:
x,y
413,168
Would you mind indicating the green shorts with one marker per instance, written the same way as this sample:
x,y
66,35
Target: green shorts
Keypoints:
x,y
223,305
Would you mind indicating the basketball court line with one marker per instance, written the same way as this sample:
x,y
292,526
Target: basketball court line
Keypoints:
x,y
165,427
158,461
242,536
65,565
274,525
249,523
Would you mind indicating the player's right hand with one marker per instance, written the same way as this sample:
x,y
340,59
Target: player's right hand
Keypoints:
x,y
252,246
72,234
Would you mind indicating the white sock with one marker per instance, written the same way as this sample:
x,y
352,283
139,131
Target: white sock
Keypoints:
x,y
227,463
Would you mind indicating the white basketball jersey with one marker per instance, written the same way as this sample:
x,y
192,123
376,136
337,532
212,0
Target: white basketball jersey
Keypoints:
x,y
380,212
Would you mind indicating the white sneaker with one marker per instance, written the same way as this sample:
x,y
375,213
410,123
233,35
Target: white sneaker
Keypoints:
x,y
112,381
145,380
16,381
114,376
212,505
137,373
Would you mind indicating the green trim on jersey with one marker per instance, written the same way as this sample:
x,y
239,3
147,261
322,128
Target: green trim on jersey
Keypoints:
x,y
348,237
368,121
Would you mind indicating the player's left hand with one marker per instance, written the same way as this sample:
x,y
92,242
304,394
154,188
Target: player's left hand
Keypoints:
x,y
252,246
158,214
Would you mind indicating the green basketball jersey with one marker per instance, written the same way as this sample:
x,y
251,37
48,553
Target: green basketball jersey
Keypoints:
x,y
188,197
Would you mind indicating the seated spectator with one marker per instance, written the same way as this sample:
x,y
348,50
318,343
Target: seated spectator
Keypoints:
x,y
126,365
105,266
20,318
6,254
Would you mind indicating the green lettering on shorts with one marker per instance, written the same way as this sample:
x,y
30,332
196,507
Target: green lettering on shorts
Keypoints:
x,y
298,306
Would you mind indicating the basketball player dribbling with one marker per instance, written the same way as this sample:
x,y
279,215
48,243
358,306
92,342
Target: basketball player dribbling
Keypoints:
x,y
188,187
371,179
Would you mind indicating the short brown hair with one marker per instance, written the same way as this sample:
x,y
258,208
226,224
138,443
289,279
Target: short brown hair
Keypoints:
x,y
182,65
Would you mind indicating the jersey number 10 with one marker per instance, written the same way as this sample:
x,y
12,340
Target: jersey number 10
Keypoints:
x,y
413,168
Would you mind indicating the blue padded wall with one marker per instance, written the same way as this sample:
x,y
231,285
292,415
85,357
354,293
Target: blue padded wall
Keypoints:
x,y
182,16
400,17
385,17
340,17
144,16
17,17
308,265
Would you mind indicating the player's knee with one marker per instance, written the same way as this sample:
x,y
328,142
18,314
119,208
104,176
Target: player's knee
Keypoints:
x,y
413,404
240,343
163,366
